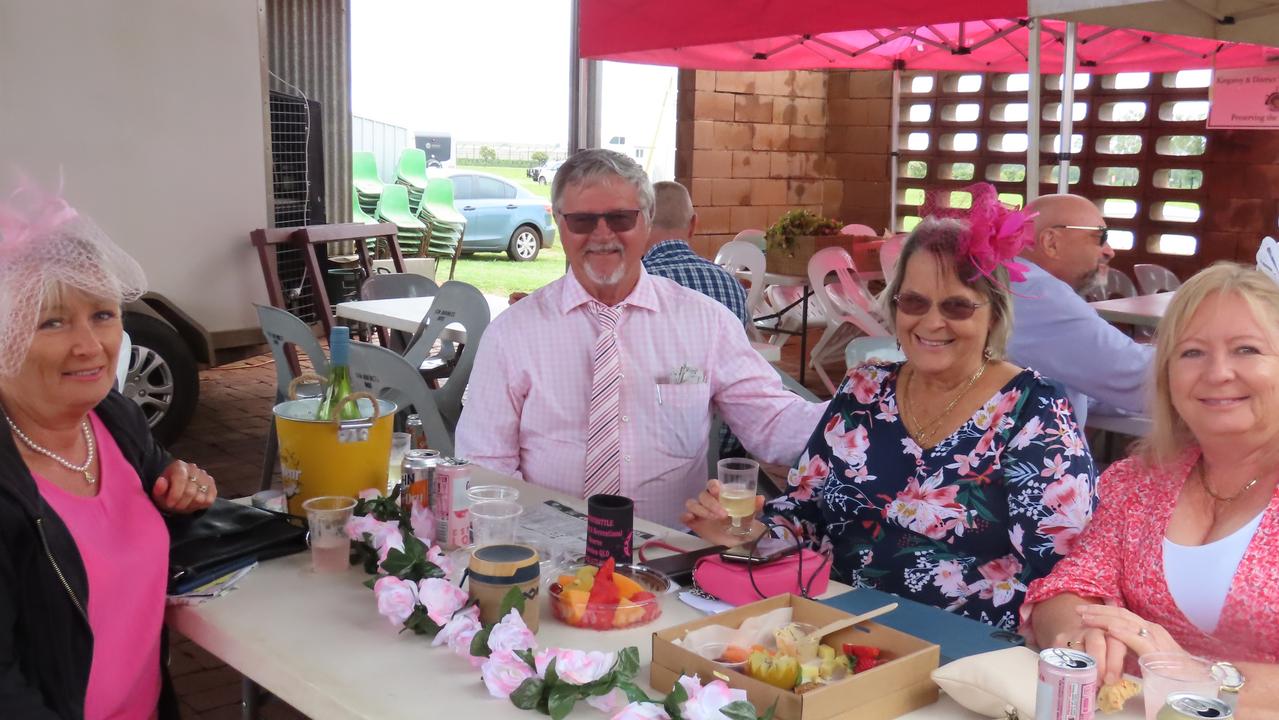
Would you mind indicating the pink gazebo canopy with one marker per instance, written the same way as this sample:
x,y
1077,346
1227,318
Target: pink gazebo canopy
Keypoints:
x,y
915,34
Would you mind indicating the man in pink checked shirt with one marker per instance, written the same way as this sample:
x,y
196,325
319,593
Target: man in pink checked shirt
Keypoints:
x,y
605,380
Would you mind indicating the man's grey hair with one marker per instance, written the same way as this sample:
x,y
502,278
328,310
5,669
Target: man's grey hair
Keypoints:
x,y
674,208
588,167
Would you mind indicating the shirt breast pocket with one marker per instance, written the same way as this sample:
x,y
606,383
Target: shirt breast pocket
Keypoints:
x,y
683,414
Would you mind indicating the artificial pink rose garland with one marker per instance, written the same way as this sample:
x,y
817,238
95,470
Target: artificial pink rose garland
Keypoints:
x,y
414,588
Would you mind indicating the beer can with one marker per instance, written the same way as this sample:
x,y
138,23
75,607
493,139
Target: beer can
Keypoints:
x,y
1188,706
417,433
1067,685
449,504
417,472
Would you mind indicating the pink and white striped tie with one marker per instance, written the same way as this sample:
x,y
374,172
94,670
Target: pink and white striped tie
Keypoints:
x,y
603,432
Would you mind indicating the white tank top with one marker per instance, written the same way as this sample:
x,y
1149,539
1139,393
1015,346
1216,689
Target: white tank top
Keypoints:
x,y
1199,576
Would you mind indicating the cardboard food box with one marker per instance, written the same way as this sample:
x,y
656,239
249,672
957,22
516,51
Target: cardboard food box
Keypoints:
x,y
901,684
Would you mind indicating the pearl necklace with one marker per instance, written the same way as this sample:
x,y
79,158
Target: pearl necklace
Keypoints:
x,y
82,469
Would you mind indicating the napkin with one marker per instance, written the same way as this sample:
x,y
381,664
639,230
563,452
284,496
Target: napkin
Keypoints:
x,y
990,683
757,630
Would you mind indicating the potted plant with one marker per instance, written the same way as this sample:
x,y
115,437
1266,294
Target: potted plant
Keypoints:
x,y
791,241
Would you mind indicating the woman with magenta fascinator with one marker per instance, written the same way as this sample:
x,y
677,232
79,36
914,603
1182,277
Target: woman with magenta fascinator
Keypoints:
x,y
954,478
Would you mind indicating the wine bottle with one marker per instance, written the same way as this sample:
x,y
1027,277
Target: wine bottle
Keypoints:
x,y
339,385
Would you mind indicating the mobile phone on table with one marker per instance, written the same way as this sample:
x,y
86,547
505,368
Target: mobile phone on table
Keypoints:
x,y
680,567
766,550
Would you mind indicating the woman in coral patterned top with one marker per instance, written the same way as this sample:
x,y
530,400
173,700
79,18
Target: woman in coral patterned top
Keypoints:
x,y
1182,554
954,478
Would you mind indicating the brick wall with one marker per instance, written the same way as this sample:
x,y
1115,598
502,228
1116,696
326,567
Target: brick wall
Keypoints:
x,y
750,146
1242,178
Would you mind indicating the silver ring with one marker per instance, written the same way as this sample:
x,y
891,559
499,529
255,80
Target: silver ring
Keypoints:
x,y
1143,632
202,489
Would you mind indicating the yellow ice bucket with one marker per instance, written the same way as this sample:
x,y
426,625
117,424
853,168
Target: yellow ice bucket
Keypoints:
x,y
326,457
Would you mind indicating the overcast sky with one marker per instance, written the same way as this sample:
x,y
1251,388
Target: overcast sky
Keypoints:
x,y
490,70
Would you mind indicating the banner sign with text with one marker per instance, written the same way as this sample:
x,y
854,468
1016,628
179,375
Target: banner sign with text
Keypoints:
x,y
1245,98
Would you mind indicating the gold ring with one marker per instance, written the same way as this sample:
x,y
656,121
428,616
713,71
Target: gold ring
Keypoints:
x,y
202,489
1070,643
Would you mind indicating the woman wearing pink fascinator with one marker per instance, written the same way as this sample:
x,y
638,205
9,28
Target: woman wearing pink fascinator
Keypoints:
x,y
954,478
85,491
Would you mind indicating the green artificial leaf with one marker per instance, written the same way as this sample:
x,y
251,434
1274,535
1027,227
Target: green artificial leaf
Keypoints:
x,y
480,643
397,563
421,623
768,714
512,600
633,692
552,677
740,710
563,698
371,582
601,686
529,694
677,696
525,655
627,664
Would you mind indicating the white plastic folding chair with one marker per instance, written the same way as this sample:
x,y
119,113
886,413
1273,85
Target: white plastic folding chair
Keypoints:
x,y
740,256
864,349
754,237
286,334
1153,278
385,374
888,254
457,303
857,229
1117,285
847,306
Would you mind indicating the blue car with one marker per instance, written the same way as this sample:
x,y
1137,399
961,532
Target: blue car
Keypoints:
x,y
501,216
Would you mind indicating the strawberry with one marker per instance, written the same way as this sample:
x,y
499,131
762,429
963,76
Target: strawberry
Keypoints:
x,y
859,652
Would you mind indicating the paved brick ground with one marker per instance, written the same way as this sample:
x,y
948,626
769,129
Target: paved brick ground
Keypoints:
x,y
227,437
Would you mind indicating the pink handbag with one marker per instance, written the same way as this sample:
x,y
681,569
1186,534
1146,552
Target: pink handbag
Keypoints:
x,y
805,573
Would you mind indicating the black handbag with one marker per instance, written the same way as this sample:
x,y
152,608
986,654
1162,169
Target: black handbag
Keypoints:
x,y
226,537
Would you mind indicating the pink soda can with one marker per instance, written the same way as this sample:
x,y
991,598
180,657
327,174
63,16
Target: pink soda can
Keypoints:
x,y
449,504
1067,685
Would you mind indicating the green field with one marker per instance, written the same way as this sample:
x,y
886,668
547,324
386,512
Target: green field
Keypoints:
x,y
496,274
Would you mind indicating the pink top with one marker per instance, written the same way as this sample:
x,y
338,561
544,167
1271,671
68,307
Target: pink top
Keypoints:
x,y
1120,557
528,399
124,545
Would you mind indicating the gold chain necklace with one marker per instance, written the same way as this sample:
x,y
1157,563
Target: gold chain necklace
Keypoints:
x,y
924,433
1203,480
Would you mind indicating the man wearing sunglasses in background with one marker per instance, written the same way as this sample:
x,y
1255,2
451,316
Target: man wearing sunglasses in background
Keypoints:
x,y
1054,329
604,380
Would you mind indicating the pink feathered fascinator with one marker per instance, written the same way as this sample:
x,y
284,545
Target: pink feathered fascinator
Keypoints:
x,y
996,233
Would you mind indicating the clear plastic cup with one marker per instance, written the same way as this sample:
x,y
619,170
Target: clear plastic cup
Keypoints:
x,y
1165,673
488,493
494,522
330,546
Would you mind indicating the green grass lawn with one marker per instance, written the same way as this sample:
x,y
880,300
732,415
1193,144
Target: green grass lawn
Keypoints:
x,y
495,273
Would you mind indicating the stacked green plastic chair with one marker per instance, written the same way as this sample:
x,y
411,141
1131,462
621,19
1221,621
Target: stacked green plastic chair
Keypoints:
x,y
368,186
445,223
393,207
359,216
411,173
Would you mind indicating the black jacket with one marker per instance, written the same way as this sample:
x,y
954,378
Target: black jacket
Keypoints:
x,y
46,644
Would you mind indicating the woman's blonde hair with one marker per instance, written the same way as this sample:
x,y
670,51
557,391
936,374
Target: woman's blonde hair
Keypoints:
x,y
941,238
1169,434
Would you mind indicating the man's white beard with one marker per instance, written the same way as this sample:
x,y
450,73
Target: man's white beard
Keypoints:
x,y
612,278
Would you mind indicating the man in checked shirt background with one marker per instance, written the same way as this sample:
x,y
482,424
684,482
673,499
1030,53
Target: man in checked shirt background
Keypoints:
x,y
669,255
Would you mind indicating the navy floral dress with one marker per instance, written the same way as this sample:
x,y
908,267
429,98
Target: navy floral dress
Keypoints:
x,y
965,525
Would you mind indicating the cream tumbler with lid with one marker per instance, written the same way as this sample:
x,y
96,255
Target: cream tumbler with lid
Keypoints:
x,y
494,570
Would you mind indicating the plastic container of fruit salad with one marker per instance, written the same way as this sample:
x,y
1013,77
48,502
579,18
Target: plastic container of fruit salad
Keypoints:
x,y
640,590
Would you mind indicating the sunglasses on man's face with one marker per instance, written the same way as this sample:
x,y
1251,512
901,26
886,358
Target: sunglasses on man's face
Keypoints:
x,y
1090,228
585,223
951,308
